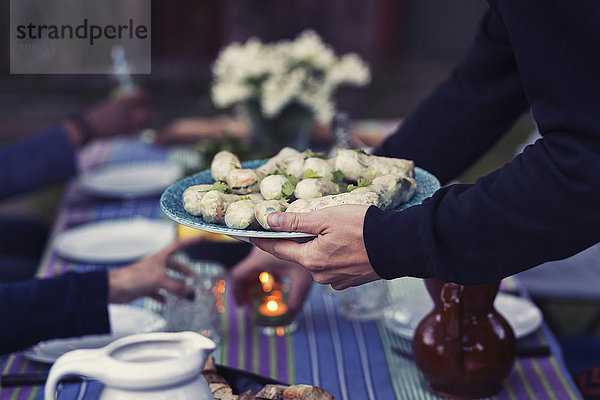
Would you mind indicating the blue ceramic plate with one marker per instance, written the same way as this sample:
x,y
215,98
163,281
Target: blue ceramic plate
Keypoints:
x,y
171,204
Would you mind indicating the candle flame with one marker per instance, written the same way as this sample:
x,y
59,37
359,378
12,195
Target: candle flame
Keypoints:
x,y
264,277
272,305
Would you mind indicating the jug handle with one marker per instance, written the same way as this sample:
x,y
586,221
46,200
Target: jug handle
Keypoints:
x,y
451,323
84,362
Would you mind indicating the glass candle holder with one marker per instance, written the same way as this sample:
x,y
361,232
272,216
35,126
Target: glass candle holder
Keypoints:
x,y
270,311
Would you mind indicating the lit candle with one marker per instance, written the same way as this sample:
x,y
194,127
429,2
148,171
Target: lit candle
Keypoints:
x,y
272,307
271,313
267,281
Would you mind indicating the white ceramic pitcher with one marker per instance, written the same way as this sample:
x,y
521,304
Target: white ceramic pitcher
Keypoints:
x,y
156,365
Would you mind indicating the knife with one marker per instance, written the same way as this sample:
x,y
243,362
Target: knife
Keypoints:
x,y
34,379
542,350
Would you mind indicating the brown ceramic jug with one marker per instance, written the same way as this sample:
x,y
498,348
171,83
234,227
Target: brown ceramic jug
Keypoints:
x,y
464,347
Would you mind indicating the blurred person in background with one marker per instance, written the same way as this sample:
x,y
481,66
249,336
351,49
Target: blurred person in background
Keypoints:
x,y
48,157
75,304
72,304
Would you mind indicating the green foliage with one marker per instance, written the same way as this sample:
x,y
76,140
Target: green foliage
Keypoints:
x,y
360,183
288,189
311,154
338,176
309,173
222,187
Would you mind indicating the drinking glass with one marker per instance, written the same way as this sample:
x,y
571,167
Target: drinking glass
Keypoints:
x,y
203,314
364,302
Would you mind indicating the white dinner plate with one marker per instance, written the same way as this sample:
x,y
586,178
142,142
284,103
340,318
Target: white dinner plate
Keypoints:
x,y
402,317
124,320
130,180
115,240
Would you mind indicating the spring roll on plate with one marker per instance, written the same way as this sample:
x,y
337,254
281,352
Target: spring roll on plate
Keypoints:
x,y
191,198
323,168
308,205
271,166
355,165
240,215
263,209
223,162
271,187
243,181
311,188
214,205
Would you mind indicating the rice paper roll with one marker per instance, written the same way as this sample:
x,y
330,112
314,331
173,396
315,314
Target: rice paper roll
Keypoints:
x,y
270,167
263,209
191,198
323,168
293,165
214,205
408,188
240,215
355,165
243,181
315,187
223,162
307,205
255,197
392,191
271,186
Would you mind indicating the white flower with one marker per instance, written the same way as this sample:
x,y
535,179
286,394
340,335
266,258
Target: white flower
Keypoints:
x,y
304,71
308,48
350,69
280,90
226,94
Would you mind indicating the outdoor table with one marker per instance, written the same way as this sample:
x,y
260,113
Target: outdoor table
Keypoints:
x,y
350,359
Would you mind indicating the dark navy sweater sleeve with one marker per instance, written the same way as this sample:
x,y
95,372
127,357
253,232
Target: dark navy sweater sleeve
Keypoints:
x,y
468,112
33,162
541,206
72,304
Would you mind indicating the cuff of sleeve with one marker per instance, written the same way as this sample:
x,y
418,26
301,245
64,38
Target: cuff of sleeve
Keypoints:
x,y
92,298
391,241
60,146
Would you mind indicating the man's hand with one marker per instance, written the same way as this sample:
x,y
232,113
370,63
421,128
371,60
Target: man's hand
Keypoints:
x,y
336,256
121,116
244,277
191,130
147,276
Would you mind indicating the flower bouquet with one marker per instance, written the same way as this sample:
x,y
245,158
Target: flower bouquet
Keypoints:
x,y
284,85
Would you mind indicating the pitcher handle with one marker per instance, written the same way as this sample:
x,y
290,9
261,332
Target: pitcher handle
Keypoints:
x,y
451,323
84,362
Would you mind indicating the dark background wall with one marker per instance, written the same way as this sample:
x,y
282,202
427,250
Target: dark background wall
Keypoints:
x,y
410,44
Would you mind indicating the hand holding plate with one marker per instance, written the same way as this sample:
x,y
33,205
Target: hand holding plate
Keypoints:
x,y
337,255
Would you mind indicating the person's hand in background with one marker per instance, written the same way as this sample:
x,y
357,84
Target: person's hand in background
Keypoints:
x,y
146,277
244,277
192,129
337,255
121,116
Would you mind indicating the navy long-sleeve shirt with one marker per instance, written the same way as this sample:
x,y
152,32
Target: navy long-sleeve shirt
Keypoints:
x,y
33,162
68,305
543,205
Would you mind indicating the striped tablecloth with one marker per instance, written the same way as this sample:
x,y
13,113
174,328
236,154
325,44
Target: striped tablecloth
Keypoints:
x,y
350,359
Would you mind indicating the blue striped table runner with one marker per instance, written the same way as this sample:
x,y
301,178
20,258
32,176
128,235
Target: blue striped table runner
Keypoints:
x,y
350,359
